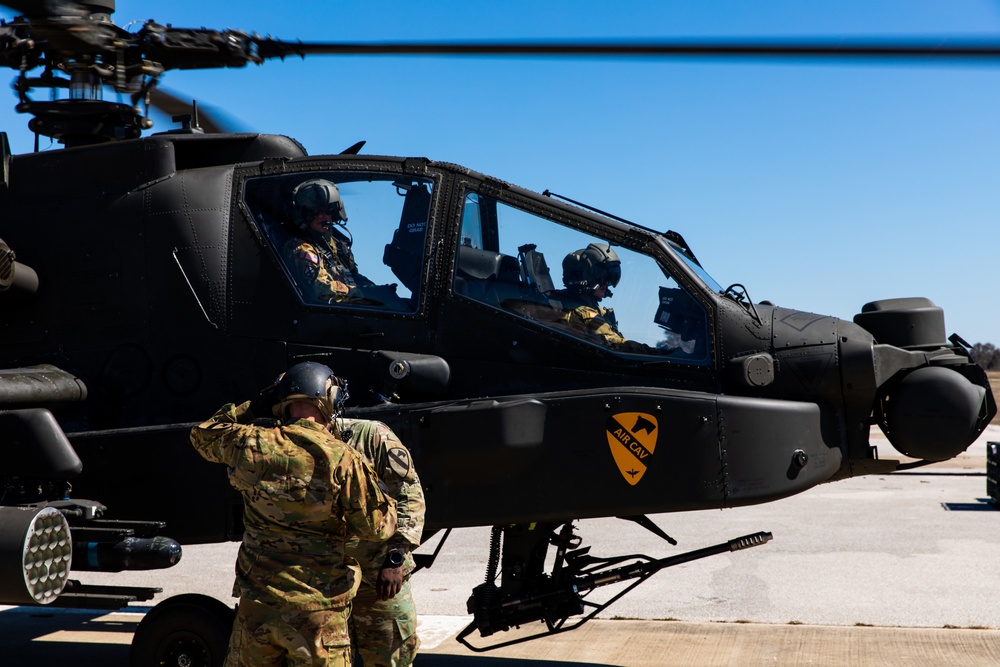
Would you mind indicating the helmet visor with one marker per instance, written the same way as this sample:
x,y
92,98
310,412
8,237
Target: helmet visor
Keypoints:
x,y
335,210
614,270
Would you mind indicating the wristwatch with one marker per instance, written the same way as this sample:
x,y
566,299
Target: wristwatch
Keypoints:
x,y
394,558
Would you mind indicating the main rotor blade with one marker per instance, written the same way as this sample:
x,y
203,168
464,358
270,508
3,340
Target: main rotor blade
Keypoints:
x,y
879,49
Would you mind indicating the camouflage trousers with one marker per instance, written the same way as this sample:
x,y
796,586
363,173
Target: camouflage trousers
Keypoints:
x,y
384,631
265,636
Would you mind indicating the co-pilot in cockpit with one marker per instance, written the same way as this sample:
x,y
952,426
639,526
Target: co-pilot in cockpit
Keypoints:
x,y
653,314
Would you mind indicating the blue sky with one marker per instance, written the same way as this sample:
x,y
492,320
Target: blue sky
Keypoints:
x,y
818,186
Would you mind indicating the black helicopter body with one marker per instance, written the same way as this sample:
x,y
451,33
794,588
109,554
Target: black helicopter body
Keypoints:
x,y
153,282
163,297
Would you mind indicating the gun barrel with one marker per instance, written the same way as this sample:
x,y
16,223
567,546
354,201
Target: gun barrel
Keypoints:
x,y
645,569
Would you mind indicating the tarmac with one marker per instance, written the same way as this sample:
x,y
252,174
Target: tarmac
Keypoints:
x,y
883,570
92,638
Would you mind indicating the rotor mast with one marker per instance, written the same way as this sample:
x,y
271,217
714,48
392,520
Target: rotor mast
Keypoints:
x,y
67,40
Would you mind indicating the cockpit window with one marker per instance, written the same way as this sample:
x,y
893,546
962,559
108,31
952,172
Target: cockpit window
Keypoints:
x,y
346,239
576,283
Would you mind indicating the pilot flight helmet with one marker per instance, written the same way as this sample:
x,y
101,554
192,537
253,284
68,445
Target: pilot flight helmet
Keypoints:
x,y
317,196
312,382
592,266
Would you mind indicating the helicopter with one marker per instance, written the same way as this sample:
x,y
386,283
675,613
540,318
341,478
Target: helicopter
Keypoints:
x,y
173,292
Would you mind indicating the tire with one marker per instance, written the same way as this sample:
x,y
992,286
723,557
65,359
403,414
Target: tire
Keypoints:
x,y
188,630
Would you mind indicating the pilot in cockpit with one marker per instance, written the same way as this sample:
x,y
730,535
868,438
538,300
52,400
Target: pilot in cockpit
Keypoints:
x,y
588,276
321,255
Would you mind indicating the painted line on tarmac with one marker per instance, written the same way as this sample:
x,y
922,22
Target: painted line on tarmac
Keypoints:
x,y
434,630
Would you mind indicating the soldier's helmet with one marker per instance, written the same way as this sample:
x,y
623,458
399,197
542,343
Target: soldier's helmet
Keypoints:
x,y
594,265
316,196
312,382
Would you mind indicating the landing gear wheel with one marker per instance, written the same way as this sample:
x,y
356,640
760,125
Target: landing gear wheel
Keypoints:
x,y
188,630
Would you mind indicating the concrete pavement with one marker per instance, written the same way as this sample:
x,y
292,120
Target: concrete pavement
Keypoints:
x,y
82,639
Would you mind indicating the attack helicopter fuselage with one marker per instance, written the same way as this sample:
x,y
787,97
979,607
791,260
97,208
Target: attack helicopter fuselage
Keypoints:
x,y
165,290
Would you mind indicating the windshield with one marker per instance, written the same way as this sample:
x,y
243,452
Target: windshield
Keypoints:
x,y
696,267
577,283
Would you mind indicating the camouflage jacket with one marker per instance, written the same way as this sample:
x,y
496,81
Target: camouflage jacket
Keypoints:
x,y
305,493
318,272
594,321
391,460
584,315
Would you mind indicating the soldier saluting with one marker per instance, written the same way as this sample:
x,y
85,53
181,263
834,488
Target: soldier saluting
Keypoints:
x,y
305,494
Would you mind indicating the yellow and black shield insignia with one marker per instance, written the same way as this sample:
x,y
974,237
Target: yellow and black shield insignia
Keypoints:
x,y
632,437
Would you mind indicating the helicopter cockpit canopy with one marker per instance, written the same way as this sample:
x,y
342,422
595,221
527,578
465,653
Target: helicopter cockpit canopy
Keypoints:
x,y
372,261
503,259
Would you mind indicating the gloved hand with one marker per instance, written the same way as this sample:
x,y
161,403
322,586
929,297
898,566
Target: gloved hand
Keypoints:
x,y
263,404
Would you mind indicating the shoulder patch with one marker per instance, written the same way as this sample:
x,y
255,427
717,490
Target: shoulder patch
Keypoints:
x,y
305,253
399,462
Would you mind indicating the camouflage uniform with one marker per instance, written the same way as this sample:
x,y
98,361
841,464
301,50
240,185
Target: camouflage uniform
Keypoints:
x,y
305,493
324,268
583,314
595,321
385,631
